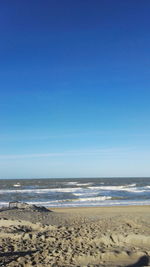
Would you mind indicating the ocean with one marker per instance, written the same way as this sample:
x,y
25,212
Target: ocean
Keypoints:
x,y
80,192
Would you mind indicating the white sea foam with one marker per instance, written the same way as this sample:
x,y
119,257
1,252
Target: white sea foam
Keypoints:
x,y
71,183
118,188
71,189
78,184
78,190
61,201
17,185
134,190
84,184
102,198
39,191
131,185
86,193
79,203
105,187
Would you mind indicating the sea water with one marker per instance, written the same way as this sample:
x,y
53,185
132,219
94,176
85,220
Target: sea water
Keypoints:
x,y
79,192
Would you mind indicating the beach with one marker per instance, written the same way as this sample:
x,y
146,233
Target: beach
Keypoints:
x,y
83,236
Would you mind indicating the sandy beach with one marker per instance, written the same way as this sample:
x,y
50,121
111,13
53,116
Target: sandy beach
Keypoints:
x,y
100,236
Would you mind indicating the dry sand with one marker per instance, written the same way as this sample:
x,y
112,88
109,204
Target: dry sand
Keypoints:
x,y
104,236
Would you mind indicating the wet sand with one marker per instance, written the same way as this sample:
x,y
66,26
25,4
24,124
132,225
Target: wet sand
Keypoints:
x,y
98,236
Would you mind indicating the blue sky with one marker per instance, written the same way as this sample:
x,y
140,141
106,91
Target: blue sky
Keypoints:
x,y
74,88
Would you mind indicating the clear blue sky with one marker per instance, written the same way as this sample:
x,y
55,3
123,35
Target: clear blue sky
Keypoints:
x,y
74,88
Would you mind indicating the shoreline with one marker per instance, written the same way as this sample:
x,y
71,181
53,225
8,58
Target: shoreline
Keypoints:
x,y
60,208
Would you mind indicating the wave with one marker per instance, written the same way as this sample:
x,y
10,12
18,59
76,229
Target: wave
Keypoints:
x,y
84,184
85,193
105,187
130,185
102,198
69,203
79,184
41,190
17,185
71,183
135,190
78,191
128,188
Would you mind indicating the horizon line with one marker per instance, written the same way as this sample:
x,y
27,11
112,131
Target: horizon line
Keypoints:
x,y
95,177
